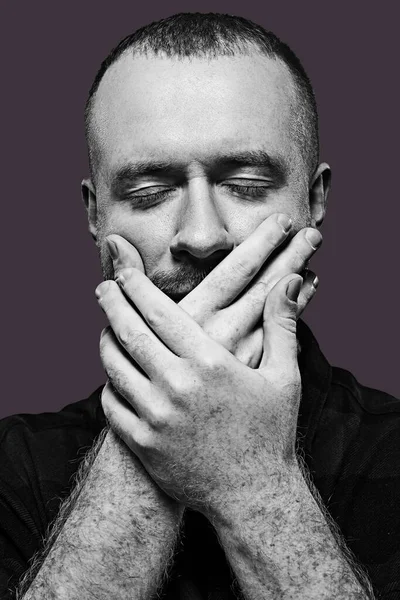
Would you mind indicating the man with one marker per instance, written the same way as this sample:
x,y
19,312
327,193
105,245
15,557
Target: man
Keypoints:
x,y
227,442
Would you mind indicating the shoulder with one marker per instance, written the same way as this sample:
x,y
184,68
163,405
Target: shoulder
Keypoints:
x,y
84,418
347,391
361,417
39,453
359,428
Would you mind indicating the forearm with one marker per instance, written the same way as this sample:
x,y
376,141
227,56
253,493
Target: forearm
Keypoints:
x,y
282,545
114,537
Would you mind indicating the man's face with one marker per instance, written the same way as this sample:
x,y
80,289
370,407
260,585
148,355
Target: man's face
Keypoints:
x,y
194,154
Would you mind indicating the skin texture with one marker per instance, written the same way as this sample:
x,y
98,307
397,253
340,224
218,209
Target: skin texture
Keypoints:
x,y
190,115
206,427
117,531
180,382
114,537
230,308
219,436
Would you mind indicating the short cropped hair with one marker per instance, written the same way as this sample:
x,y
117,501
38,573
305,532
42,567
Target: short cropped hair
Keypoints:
x,y
201,35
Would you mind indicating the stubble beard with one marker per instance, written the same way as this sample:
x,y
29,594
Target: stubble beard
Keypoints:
x,y
176,283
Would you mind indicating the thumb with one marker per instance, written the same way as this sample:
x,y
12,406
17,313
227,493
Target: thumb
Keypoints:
x,y
123,254
280,321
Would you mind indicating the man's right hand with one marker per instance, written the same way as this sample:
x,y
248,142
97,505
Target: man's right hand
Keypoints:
x,y
229,302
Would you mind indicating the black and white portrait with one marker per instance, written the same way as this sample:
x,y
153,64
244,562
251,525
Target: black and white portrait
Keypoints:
x,y
200,326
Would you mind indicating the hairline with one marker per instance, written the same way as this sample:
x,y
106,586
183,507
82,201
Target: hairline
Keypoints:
x,y
242,48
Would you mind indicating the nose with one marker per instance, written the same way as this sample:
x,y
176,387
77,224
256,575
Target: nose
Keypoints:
x,y
201,228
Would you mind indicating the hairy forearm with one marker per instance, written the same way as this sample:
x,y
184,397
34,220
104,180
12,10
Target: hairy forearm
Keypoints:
x,y
114,537
283,545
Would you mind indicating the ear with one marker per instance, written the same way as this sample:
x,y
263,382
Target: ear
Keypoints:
x,y
318,195
88,192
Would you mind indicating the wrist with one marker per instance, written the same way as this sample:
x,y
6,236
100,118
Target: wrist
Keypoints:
x,y
280,488
123,474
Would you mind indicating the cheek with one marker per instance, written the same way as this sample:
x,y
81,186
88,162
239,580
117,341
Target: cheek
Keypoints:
x,y
148,232
244,219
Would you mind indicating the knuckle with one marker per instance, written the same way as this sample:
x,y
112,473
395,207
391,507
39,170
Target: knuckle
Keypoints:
x,y
182,386
106,405
105,350
259,291
287,322
106,336
212,362
247,268
159,417
125,335
218,331
131,338
276,236
118,378
144,439
154,317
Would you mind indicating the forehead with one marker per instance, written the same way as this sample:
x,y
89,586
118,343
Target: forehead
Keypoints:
x,y
190,109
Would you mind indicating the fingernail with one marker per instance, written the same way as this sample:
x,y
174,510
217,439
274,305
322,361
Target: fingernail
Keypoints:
x,y
102,288
113,249
293,289
315,282
120,280
285,222
314,238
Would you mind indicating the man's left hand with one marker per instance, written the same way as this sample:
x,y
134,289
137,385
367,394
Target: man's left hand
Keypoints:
x,y
205,426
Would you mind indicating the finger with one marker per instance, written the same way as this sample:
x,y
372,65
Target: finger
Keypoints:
x,y
307,292
132,332
120,416
177,330
295,257
280,321
243,314
250,348
123,254
127,379
234,273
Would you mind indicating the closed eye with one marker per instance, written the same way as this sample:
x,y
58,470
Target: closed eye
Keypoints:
x,y
149,195
245,189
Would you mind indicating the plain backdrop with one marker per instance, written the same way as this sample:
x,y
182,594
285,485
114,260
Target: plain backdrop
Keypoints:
x,y
51,51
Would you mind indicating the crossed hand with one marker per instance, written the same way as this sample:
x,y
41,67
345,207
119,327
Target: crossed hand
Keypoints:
x,y
206,392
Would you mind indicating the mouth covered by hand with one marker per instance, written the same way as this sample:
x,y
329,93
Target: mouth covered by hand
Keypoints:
x,y
227,298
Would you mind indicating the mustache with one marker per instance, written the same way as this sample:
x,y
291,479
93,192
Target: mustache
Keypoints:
x,y
181,280
175,283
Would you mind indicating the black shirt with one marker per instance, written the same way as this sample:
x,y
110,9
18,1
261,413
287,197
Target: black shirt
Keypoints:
x,y
348,434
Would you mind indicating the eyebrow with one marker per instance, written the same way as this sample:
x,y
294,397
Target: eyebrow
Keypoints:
x,y
128,173
275,165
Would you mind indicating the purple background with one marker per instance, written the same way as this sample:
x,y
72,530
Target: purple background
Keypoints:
x,y
50,319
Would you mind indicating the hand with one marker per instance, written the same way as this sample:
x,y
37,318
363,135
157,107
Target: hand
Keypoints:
x,y
229,315
205,426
